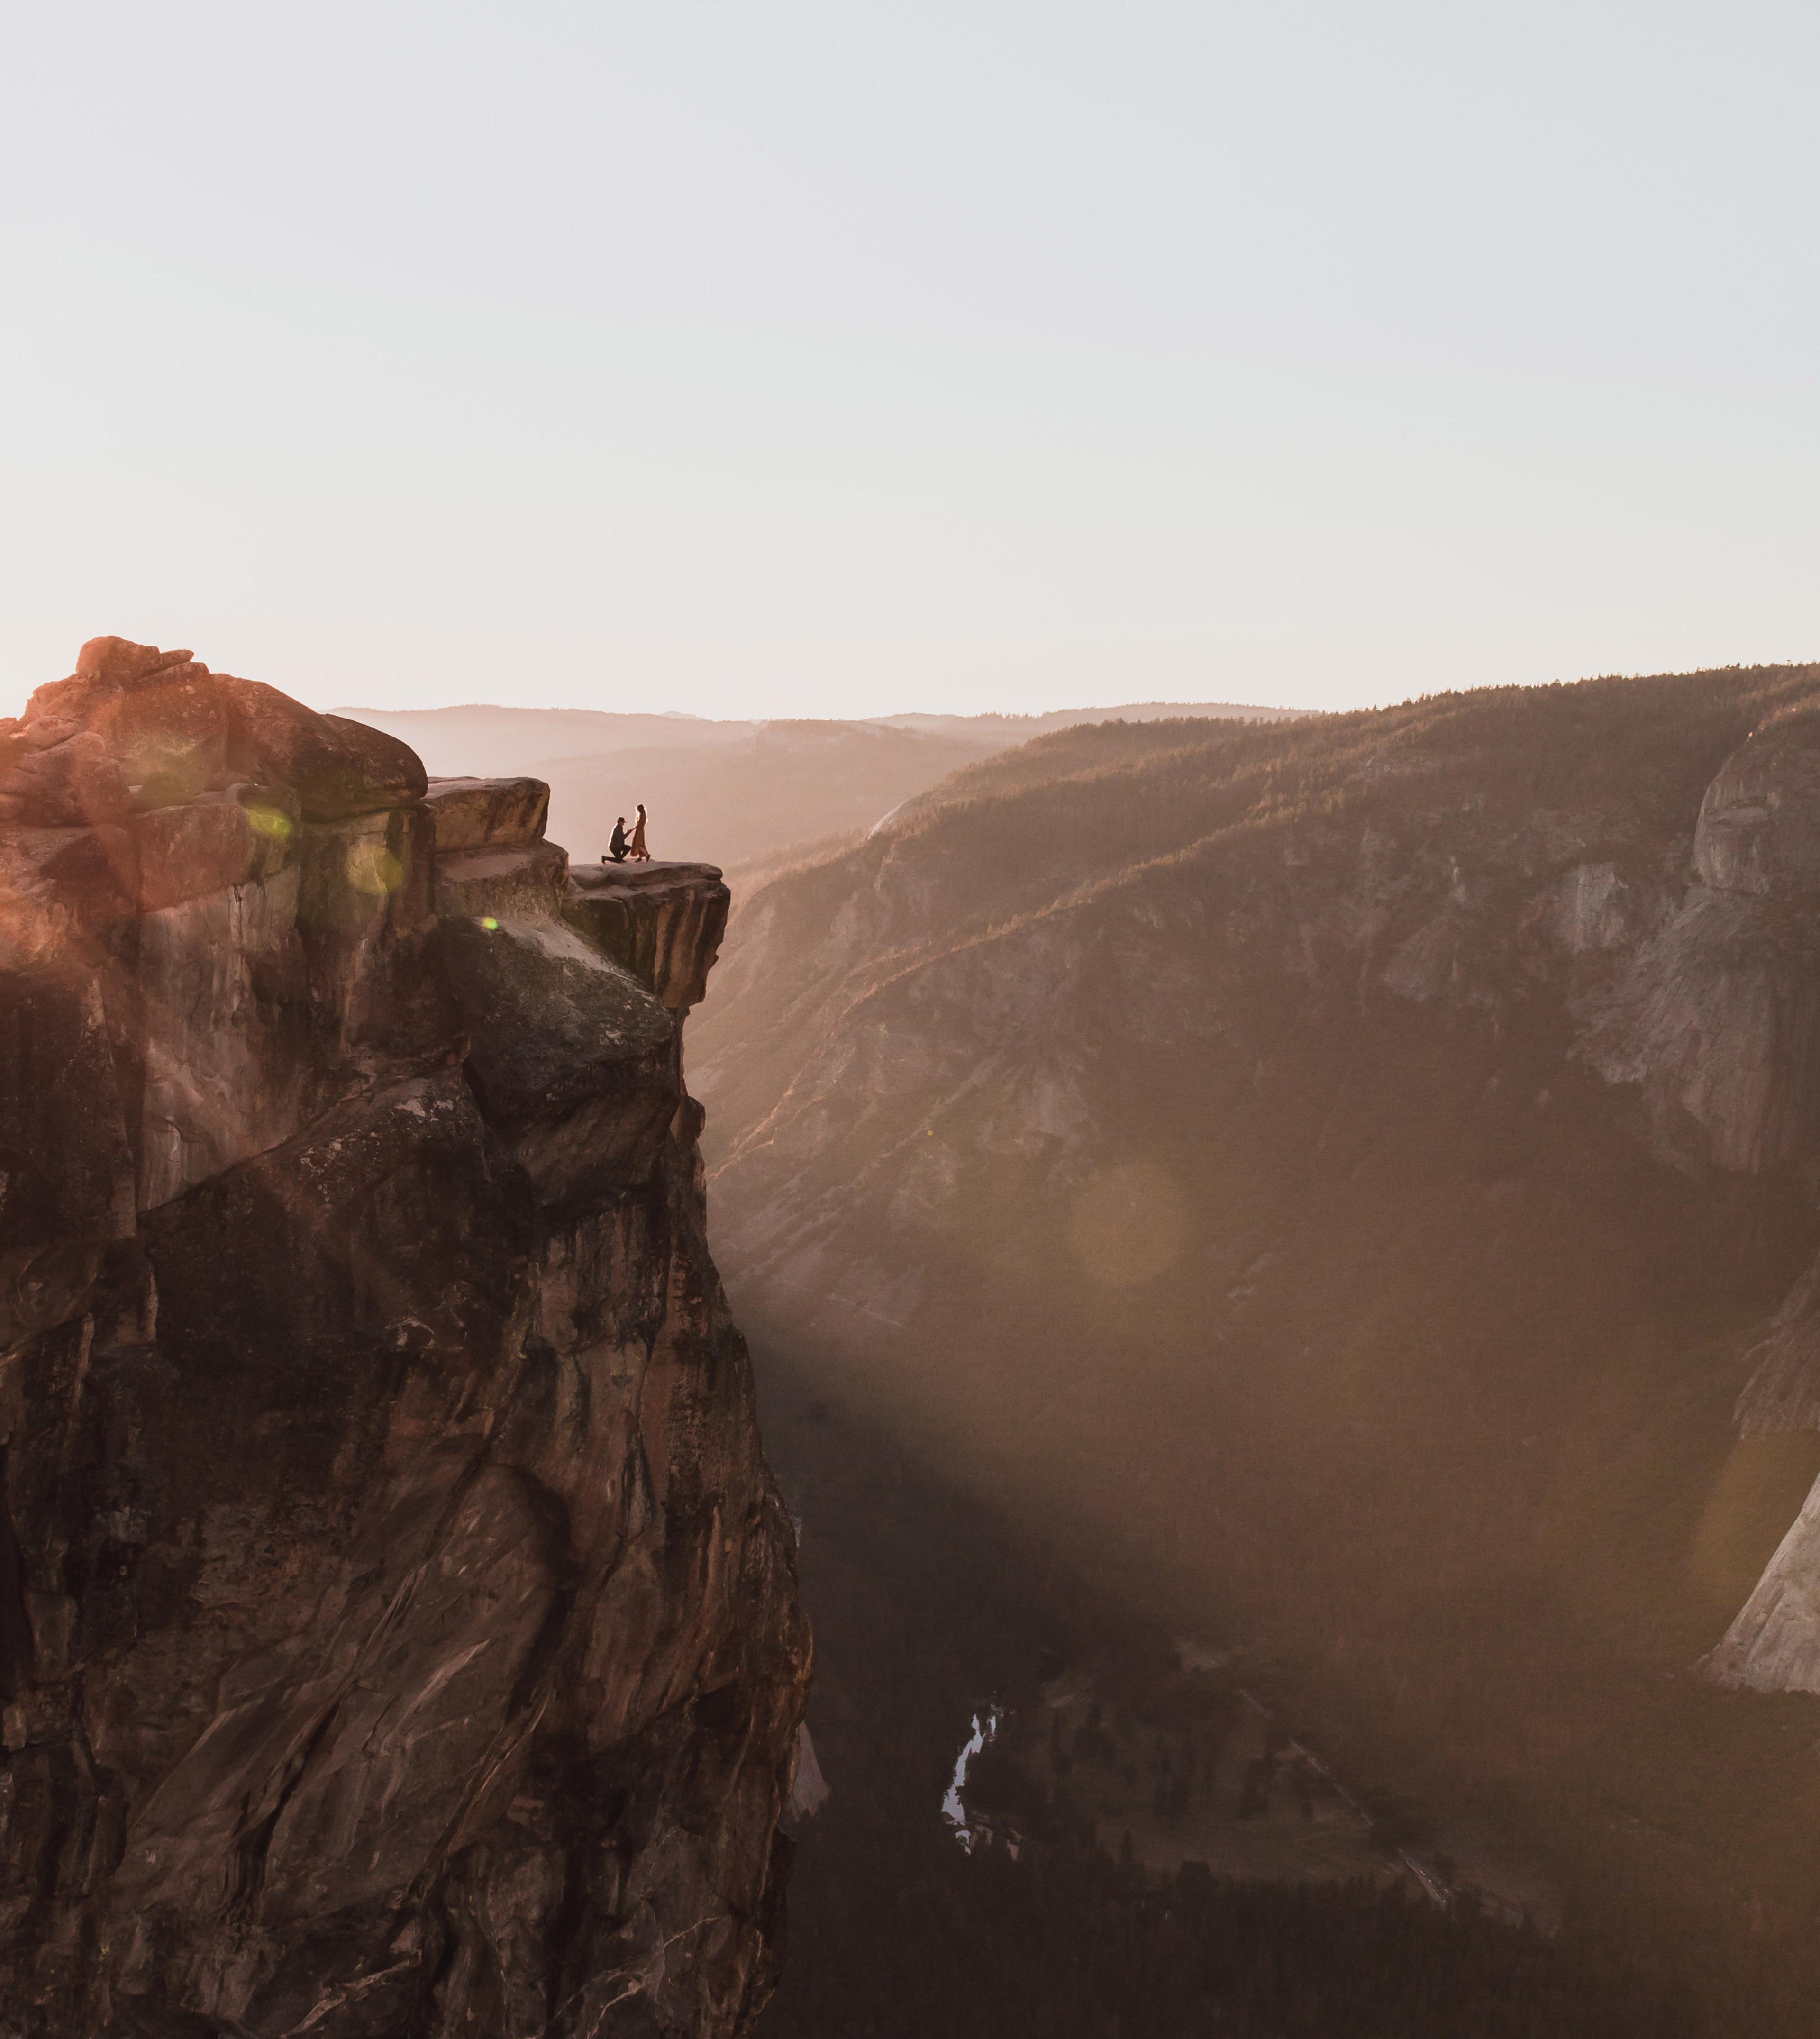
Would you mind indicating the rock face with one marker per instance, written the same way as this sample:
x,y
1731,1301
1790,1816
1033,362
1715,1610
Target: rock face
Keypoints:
x,y
1719,1017
663,921
959,1053
398,1627
1757,850
1759,826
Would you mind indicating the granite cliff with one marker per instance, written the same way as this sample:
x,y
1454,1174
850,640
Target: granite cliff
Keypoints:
x,y
398,1625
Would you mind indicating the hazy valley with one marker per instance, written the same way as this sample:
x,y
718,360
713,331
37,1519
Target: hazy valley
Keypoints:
x,y
1330,1187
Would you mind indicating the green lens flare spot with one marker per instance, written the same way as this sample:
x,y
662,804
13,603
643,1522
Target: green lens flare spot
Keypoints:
x,y
270,821
487,920
373,869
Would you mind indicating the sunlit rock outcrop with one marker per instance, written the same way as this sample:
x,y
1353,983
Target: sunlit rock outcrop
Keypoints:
x,y
1726,1022
1759,826
1719,1018
398,1630
1774,1645
663,921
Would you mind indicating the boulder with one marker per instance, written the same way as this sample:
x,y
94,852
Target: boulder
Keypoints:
x,y
165,725
104,665
175,730
339,768
118,661
488,813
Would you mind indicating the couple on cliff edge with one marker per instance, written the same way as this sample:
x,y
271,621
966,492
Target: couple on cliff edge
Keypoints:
x,y
619,847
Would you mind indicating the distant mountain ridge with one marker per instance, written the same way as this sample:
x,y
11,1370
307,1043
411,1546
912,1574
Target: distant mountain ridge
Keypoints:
x,y
459,742
551,732
730,793
1017,727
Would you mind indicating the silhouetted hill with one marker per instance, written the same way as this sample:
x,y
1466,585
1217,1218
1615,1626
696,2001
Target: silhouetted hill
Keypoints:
x,y
1335,1179
463,741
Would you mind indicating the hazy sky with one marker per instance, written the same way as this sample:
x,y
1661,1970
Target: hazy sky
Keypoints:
x,y
829,358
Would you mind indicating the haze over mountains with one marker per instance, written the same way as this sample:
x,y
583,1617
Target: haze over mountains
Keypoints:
x,y
1336,1181
730,793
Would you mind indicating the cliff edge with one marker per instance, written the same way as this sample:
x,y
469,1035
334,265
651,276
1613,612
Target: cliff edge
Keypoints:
x,y
398,1624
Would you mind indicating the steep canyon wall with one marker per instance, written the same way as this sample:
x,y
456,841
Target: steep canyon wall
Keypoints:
x,y
1261,1096
398,1626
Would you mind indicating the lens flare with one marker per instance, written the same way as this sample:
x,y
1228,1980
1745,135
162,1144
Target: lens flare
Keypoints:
x,y
372,868
271,822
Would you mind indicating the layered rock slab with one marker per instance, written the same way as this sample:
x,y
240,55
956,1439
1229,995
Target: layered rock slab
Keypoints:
x,y
397,1624
477,813
664,922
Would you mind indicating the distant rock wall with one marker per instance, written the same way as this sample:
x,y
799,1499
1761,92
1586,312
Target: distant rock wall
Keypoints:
x,y
1722,1016
1672,944
1718,1017
1774,1644
398,1625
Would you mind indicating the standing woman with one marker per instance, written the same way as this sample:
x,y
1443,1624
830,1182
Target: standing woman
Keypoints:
x,y
640,853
